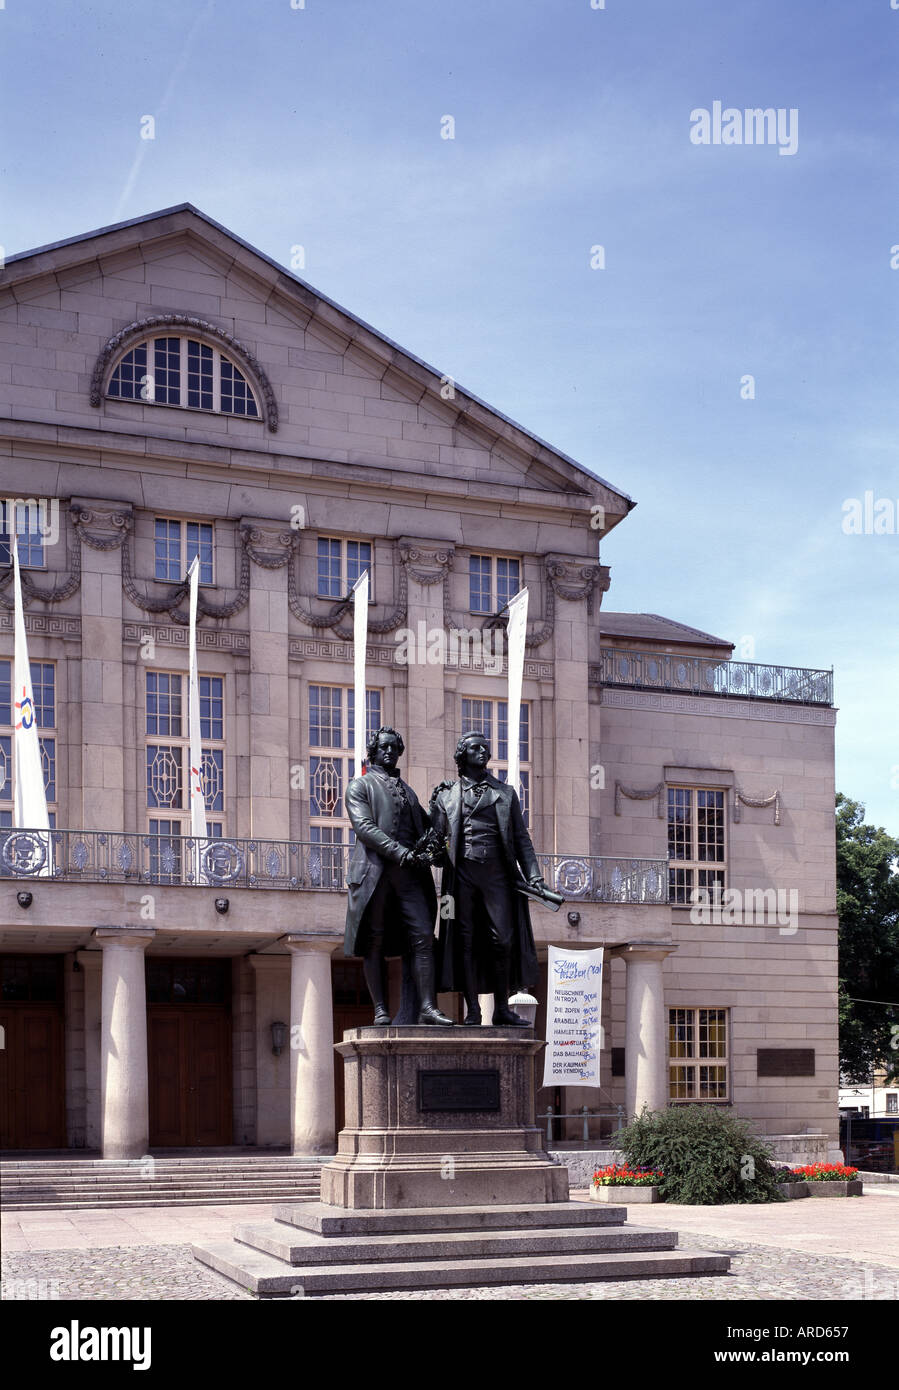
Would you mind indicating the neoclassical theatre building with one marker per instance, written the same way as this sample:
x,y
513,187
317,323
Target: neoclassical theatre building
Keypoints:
x,y
169,391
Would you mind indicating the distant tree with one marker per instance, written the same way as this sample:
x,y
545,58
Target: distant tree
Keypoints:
x,y
868,910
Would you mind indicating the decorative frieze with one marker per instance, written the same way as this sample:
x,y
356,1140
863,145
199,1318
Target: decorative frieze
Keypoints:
x,y
209,639
45,625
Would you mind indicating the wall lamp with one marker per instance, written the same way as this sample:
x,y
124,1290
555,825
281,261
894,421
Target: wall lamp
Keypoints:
x,y
279,1033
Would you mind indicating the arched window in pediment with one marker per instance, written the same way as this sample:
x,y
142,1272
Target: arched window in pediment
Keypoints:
x,y
178,361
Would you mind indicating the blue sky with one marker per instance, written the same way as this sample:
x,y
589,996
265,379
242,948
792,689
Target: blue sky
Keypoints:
x,y
321,127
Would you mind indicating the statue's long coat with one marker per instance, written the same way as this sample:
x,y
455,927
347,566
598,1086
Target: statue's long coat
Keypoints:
x,y
374,816
517,849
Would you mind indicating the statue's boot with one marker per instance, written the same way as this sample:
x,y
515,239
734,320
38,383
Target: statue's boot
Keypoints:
x,y
470,989
503,1016
374,968
423,971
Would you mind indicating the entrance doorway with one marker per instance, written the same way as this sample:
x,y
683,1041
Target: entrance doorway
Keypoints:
x,y
32,1071
189,1047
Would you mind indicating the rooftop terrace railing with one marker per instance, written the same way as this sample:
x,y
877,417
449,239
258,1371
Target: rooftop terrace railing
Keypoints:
x,y
105,856
704,675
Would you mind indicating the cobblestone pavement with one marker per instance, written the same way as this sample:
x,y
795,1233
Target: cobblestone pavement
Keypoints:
x,y
170,1272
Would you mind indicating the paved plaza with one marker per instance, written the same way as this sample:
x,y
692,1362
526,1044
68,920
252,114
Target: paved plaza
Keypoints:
x,y
805,1250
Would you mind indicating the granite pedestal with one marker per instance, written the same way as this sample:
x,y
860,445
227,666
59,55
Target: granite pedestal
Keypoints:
x,y
440,1117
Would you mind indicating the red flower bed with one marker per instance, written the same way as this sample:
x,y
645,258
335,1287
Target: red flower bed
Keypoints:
x,y
824,1172
621,1176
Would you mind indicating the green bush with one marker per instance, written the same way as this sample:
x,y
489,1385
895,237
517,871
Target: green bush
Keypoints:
x,y
707,1155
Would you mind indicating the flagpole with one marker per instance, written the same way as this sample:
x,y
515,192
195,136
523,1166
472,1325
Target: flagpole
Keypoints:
x,y
360,642
198,828
516,633
31,795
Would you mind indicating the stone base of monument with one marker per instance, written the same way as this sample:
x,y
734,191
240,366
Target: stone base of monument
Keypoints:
x,y
440,1181
440,1117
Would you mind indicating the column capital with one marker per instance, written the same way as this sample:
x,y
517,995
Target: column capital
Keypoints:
x,y
426,561
124,936
299,944
643,950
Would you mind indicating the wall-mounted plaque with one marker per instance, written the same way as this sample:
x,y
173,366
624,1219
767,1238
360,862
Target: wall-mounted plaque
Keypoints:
x,y
458,1090
786,1061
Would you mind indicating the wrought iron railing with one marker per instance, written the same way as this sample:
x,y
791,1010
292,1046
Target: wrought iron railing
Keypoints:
x,y
704,675
105,856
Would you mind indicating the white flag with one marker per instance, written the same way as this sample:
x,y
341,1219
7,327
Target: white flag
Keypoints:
x,y
31,796
573,1030
197,796
360,639
515,636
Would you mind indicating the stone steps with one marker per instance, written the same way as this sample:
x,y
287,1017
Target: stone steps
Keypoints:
x,y
269,1277
301,1248
321,1249
92,1184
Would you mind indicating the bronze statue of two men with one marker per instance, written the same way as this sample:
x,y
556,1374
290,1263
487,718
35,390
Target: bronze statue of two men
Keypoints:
x,y
475,831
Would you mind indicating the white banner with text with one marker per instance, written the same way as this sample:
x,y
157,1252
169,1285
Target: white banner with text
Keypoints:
x,y
573,1031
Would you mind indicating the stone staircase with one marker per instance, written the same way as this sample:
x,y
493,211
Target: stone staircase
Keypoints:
x,y
87,1184
318,1249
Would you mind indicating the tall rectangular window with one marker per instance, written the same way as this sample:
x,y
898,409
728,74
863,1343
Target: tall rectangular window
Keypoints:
x,y
43,682
490,718
167,753
696,841
697,1054
177,542
492,581
340,563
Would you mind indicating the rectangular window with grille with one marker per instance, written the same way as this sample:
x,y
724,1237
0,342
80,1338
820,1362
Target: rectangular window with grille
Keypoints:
x,y
697,1054
43,682
167,751
697,843
490,718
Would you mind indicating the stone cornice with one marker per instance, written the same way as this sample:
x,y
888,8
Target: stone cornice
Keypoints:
x,y
722,707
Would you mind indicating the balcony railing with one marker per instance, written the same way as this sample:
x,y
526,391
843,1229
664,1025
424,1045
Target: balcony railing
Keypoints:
x,y
105,856
704,675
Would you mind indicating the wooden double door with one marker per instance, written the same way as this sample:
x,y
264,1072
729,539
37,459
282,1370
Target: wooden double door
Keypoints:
x,y
32,1076
190,1075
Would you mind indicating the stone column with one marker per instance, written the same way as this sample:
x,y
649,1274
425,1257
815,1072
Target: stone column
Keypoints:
x,y
124,1098
91,963
311,1041
646,1033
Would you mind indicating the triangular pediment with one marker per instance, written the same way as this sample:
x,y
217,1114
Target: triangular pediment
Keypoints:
x,y
180,261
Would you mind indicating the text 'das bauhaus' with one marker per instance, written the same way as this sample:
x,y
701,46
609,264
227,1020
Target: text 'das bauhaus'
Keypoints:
x,y
573,1030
